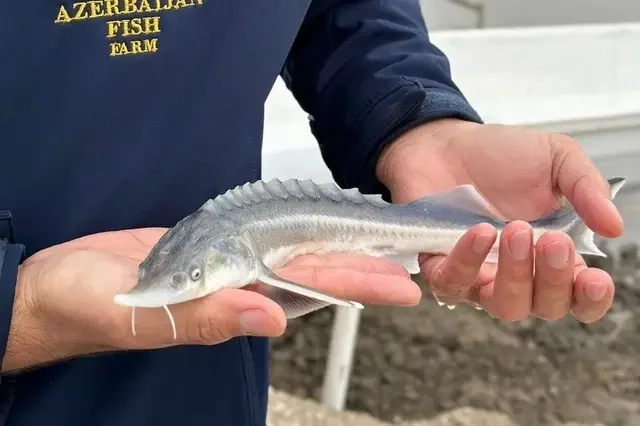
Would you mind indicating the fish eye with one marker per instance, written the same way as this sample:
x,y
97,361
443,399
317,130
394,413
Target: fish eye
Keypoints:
x,y
195,274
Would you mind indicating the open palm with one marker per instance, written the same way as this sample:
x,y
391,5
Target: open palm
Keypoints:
x,y
524,174
72,286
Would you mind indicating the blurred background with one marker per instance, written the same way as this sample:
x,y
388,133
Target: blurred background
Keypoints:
x,y
465,14
570,66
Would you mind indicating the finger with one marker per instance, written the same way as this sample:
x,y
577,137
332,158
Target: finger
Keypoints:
x,y
362,263
584,186
451,277
593,295
233,312
511,298
554,271
210,320
354,284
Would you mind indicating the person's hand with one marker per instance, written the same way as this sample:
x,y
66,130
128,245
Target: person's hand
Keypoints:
x,y
64,299
523,173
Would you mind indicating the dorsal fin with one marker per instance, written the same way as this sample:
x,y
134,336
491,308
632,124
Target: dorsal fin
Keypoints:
x,y
464,197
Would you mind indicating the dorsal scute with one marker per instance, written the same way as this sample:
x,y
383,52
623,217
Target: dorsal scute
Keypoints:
x,y
277,188
355,196
213,207
310,189
252,193
332,191
233,197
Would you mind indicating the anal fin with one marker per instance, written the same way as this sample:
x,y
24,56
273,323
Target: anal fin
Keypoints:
x,y
408,261
492,257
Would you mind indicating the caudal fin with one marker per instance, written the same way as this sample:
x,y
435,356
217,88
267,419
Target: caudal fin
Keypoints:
x,y
583,239
582,236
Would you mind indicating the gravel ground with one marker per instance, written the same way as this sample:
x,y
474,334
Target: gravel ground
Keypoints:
x,y
418,364
287,410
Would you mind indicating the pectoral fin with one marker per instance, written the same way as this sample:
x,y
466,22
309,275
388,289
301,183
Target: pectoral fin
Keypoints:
x,y
296,299
294,305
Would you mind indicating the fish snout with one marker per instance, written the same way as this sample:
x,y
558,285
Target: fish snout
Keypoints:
x,y
164,291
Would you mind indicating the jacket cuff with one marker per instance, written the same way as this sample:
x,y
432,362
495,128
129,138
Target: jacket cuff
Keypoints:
x,y
11,255
403,108
436,104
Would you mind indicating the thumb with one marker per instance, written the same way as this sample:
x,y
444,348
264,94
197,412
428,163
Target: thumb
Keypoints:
x,y
580,181
230,313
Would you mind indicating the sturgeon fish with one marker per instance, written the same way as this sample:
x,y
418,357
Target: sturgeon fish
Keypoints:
x,y
243,235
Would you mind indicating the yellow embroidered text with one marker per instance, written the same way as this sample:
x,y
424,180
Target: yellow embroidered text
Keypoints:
x,y
118,29
133,47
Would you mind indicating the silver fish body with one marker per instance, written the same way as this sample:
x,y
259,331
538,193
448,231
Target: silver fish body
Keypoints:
x,y
241,236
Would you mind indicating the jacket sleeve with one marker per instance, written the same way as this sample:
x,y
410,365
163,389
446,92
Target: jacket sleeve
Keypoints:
x,y
365,71
10,257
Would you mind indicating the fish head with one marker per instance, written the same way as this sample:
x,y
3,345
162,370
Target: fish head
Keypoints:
x,y
230,264
191,260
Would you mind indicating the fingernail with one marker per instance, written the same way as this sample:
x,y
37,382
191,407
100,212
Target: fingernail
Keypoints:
x,y
520,244
255,322
595,291
481,243
557,255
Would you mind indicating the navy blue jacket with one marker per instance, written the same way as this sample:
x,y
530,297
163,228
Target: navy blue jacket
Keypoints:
x,y
130,113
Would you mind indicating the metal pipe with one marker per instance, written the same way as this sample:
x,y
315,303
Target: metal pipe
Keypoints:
x,y
344,337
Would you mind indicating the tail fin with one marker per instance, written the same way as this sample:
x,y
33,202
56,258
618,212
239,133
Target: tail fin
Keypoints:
x,y
582,236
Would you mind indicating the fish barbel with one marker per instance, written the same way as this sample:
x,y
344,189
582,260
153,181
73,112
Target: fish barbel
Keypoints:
x,y
242,236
